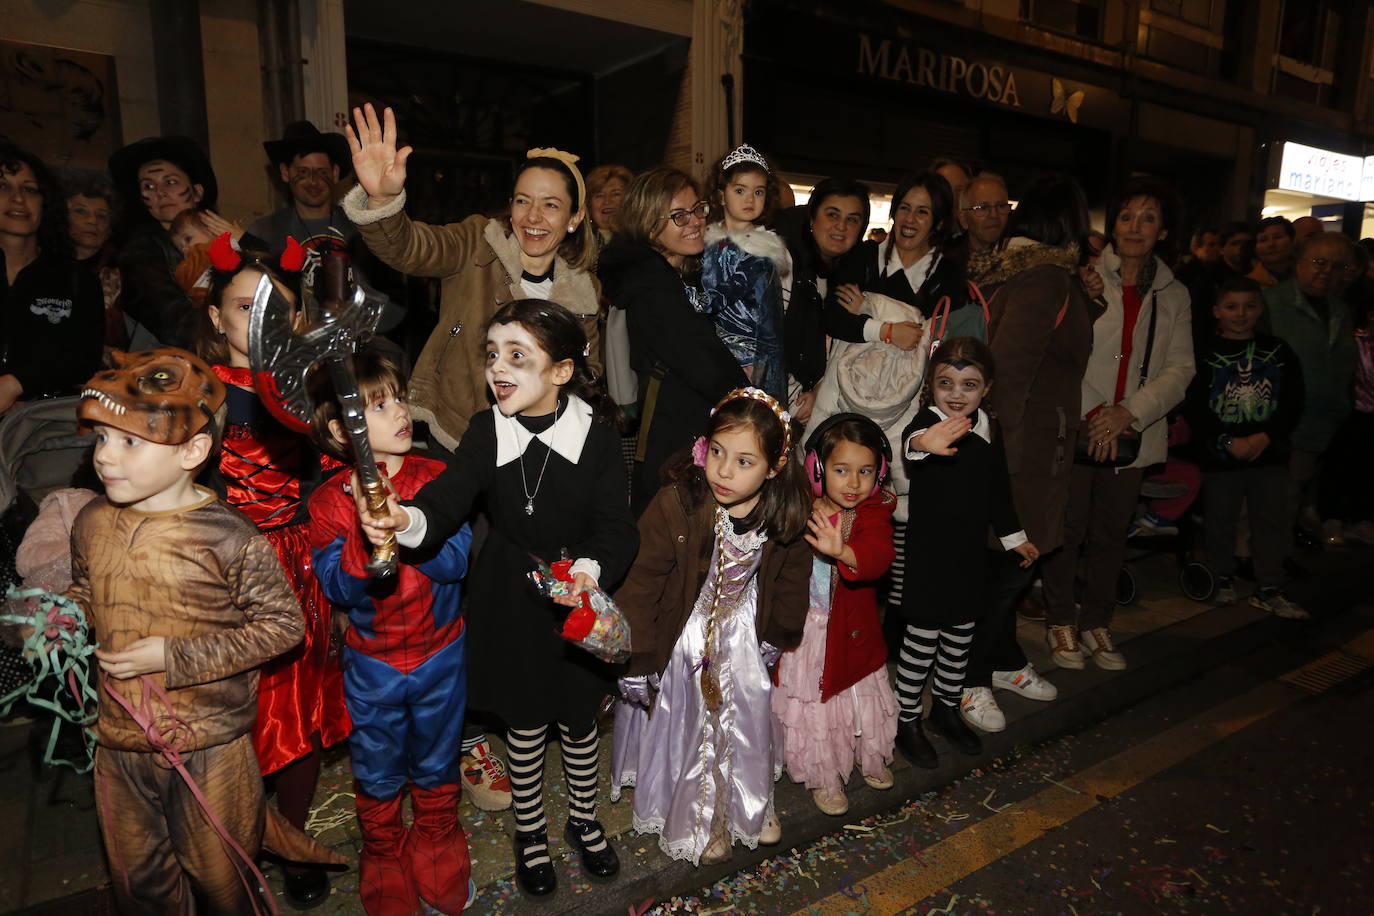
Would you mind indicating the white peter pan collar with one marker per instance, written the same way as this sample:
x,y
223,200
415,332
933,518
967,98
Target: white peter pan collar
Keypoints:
x,y
566,436
981,427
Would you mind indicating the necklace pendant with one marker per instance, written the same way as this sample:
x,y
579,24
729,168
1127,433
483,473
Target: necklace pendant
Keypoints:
x,y
529,507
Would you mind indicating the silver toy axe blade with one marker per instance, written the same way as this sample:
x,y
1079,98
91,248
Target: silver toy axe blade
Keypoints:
x,y
281,356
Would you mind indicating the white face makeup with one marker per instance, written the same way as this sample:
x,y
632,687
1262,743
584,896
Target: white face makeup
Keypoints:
x,y
736,468
851,473
541,212
745,194
521,375
958,392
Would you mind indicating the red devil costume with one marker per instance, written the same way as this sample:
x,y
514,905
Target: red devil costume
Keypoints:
x,y
405,677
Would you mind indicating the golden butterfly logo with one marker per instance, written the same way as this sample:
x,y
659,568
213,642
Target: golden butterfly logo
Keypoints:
x,y
1068,103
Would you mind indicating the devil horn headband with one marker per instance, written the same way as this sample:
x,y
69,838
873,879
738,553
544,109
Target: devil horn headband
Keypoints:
x,y
223,255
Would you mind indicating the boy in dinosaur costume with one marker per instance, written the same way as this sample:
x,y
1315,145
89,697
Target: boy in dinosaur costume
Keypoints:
x,y
185,599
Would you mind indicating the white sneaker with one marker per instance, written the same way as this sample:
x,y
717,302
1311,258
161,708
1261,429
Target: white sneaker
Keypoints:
x,y
1098,641
1064,648
980,710
1026,682
1276,603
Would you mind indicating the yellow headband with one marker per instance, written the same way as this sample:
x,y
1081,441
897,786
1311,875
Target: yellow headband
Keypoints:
x,y
548,152
767,400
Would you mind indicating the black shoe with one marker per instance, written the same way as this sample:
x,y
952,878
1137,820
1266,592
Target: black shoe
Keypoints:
x,y
603,863
1296,571
913,743
945,720
533,867
306,889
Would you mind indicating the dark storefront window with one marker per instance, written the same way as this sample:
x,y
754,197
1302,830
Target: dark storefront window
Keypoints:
x,y
1082,18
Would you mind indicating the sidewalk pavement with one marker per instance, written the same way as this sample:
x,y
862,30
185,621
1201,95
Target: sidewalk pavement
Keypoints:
x,y
51,860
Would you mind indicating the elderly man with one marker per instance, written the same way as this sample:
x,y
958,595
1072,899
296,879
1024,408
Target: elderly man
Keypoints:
x,y
984,211
1306,312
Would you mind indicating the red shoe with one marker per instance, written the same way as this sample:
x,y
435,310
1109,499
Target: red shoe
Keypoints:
x,y
384,882
437,850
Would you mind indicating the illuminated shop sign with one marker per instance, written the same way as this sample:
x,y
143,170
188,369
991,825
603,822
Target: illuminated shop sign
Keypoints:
x,y
1324,172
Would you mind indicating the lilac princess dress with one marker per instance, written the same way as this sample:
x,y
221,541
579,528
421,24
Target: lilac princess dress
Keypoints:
x,y
697,773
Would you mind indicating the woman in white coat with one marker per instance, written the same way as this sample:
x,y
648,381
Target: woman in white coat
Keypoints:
x,y
1141,363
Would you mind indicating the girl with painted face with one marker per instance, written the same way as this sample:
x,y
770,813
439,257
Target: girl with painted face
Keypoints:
x,y
546,463
745,267
718,590
847,715
958,472
267,472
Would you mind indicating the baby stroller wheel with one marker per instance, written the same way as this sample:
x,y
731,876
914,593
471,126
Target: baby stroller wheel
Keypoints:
x,y
1197,581
1125,586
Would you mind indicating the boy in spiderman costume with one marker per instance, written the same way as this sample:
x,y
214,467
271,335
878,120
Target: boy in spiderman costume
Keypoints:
x,y
404,661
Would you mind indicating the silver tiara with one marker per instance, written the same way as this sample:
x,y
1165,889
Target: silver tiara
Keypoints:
x,y
745,153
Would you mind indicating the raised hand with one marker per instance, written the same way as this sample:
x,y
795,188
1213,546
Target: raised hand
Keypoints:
x,y
217,225
379,165
823,536
940,438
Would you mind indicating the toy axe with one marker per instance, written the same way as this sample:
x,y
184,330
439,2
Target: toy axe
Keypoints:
x,y
281,356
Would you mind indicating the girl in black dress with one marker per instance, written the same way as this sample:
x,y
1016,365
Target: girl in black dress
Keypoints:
x,y
959,489
549,472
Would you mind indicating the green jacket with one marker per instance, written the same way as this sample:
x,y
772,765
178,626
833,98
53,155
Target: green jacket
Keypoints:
x,y
1326,350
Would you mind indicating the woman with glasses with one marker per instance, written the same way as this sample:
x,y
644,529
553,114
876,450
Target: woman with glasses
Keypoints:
x,y
651,269
543,250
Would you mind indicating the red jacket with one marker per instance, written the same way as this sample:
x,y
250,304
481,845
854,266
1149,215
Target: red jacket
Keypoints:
x,y
854,646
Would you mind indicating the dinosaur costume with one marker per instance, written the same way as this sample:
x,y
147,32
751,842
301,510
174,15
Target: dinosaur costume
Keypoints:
x,y
202,577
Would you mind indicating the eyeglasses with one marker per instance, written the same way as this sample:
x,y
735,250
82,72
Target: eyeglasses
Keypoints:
x,y
683,217
1001,206
1339,267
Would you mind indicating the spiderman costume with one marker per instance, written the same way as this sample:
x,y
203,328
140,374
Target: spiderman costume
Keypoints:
x,y
405,681
266,470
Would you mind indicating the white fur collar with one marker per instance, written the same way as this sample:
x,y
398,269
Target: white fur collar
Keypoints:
x,y
760,242
566,436
571,289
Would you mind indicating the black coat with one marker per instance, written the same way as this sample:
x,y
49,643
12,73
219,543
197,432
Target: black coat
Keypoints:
x,y
52,326
811,316
149,293
518,666
861,266
669,341
955,500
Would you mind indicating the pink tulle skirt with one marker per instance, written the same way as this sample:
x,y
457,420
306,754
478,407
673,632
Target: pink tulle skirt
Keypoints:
x,y
822,742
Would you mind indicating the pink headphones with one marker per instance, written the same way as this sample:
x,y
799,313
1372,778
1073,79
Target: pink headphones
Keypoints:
x,y
815,470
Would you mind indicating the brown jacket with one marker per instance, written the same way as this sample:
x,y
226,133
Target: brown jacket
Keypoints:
x,y
674,559
478,263
204,578
1040,358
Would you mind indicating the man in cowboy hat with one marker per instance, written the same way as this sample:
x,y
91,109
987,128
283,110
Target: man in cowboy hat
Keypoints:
x,y
310,164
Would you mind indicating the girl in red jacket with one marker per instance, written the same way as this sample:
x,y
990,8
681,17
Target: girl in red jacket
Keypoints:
x,y
833,700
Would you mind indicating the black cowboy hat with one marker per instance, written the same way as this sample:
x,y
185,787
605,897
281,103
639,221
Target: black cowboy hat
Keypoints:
x,y
302,137
182,152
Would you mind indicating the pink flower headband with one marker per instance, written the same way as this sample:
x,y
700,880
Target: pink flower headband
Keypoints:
x,y
752,394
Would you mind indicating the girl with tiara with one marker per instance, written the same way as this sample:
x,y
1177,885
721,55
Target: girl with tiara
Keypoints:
x,y
745,267
717,591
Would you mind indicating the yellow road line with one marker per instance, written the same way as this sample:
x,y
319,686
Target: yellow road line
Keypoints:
x,y
902,885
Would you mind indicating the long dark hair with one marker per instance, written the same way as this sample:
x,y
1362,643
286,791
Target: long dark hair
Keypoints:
x,y
941,209
784,499
559,334
210,344
52,224
1051,210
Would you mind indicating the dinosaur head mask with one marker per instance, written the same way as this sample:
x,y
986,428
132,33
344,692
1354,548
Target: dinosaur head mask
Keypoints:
x,y
165,396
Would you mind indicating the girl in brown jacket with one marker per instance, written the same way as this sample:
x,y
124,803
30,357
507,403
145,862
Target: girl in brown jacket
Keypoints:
x,y
718,590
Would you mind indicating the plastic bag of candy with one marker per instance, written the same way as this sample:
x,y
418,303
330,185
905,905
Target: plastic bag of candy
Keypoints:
x,y
596,625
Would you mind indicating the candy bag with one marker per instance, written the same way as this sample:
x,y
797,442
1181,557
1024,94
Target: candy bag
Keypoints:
x,y
596,625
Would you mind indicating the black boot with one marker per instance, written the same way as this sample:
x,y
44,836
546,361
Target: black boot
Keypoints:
x,y
603,863
945,720
307,888
533,867
912,742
